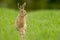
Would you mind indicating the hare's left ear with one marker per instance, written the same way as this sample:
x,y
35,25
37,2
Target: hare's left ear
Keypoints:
x,y
24,4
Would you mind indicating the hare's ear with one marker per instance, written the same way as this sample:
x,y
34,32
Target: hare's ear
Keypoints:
x,y
19,6
24,4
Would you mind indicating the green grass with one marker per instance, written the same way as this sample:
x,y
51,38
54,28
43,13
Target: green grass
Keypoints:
x,y
41,25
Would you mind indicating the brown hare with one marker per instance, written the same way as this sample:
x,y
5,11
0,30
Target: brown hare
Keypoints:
x,y
21,20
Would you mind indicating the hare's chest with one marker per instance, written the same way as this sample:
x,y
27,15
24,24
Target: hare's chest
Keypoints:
x,y
21,19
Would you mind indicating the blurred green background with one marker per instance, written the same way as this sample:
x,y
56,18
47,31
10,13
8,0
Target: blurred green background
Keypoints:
x,y
42,24
32,4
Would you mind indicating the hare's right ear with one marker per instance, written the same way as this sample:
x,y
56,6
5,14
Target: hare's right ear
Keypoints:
x,y
19,6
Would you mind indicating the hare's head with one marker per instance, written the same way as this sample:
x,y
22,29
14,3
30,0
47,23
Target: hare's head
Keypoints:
x,y
21,9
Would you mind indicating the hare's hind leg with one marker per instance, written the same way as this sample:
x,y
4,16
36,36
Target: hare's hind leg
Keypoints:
x,y
22,33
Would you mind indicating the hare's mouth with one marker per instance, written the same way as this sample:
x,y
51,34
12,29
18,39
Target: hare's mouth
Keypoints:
x,y
23,15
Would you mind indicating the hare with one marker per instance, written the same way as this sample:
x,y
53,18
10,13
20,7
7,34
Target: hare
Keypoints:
x,y
21,20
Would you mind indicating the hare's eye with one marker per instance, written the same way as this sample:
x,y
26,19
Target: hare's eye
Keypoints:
x,y
21,11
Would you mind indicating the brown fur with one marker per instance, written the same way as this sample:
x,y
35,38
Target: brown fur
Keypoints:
x,y
21,20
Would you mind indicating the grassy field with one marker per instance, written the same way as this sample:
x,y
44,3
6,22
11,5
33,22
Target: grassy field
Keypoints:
x,y
41,25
